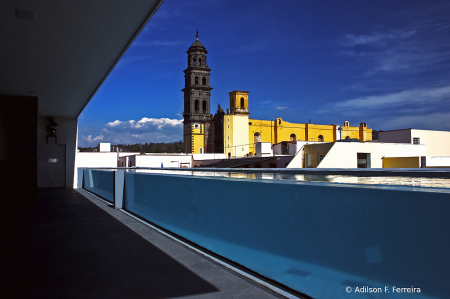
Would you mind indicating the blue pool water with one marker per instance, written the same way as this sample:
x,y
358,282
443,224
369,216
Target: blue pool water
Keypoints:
x,y
317,238
330,178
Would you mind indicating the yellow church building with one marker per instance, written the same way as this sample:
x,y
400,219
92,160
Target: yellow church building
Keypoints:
x,y
241,133
233,132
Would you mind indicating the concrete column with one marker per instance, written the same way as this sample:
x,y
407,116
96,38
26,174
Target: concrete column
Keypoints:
x,y
119,183
79,178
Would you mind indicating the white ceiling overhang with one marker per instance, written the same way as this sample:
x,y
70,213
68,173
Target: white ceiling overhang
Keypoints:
x,y
62,51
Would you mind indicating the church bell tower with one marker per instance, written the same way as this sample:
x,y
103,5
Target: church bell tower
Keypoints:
x,y
197,92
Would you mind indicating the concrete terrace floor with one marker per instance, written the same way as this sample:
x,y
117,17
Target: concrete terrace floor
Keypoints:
x,y
80,247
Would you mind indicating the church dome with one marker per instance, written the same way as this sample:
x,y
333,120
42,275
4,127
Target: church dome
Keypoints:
x,y
197,44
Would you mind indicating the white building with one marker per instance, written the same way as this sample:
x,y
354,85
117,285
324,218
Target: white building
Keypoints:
x,y
353,154
156,160
104,147
437,143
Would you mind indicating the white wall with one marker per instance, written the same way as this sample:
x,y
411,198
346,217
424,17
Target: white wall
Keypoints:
x,y
343,154
168,161
94,159
263,149
197,157
437,161
437,143
67,134
297,162
155,160
338,133
104,147
240,136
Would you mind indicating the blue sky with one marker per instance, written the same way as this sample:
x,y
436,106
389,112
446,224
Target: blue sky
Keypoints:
x,y
386,63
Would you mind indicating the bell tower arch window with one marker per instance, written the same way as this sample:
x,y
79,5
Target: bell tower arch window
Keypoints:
x,y
204,81
204,105
196,80
242,103
200,62
193,60
196,105
320,138
293,137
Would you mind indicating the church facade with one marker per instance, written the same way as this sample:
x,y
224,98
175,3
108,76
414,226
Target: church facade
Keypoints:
x,y
232,132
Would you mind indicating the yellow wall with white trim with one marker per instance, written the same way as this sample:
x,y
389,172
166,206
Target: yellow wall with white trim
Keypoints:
x,y
195,139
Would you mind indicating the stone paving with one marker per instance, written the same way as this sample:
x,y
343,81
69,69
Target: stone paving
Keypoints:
x,y
80,247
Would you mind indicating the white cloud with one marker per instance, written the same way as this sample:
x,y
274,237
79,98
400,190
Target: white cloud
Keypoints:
x,y
114,123
281,107
398,51
145,124
89,138
407,57
135,131
434,121
417,96
351,40
443,27
420,108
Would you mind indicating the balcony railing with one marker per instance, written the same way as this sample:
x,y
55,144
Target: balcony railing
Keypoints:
x,y
99,182
318,238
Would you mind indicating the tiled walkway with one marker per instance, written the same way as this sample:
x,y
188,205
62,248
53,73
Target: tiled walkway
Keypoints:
x,y
79,247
